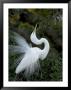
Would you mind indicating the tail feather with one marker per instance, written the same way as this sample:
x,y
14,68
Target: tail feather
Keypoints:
x,y
28,67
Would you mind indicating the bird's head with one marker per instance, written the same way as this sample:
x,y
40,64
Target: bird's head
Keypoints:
x,y
33,37
34,31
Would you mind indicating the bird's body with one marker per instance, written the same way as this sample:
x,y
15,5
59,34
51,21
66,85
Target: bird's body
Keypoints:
x,y
27,64
30,60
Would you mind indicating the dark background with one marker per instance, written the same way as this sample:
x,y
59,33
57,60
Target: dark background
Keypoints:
x,y
1,32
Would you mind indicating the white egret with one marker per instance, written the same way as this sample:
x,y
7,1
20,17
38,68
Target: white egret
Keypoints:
x,y
30,60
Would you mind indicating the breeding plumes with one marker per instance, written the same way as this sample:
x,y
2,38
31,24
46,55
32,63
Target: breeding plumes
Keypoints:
x,y
29,61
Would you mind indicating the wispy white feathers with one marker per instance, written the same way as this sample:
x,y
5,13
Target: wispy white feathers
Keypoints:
x,y
21,41
29,62
16,49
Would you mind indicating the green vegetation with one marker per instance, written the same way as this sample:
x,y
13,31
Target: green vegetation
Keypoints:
x,y
49,26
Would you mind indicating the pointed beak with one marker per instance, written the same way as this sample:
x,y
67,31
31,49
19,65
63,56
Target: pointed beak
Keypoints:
x,y
35,28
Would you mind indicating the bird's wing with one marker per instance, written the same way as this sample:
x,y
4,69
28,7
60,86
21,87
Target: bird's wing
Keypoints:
x,y
16,49
21,42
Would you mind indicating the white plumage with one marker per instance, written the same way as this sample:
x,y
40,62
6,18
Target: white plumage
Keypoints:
x,y
30,60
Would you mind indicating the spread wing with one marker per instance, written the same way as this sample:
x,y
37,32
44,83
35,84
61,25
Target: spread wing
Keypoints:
x,y
16,49
22,45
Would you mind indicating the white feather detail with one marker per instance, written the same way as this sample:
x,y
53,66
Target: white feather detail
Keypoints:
x,y
16,49
30,61
21,41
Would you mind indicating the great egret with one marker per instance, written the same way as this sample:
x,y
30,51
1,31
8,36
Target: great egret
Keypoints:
x,y
30,60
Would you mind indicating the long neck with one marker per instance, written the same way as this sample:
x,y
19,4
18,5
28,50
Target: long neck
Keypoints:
x,y
37,41
45,50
